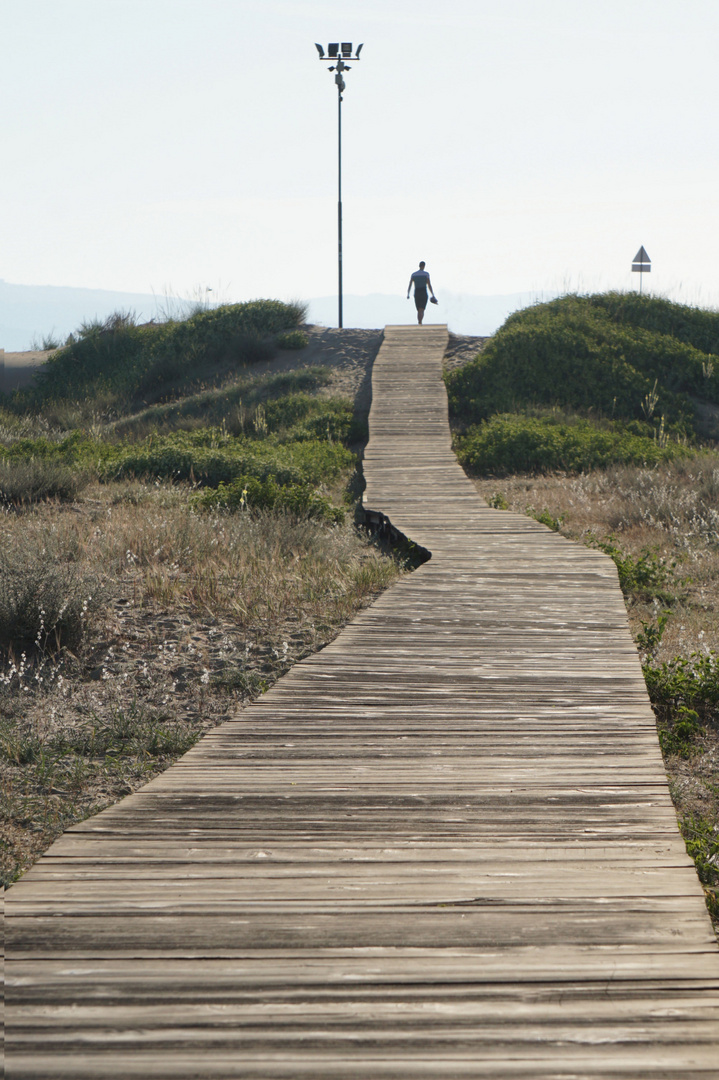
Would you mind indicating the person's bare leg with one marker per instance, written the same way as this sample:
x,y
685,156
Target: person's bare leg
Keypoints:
x,y
420,315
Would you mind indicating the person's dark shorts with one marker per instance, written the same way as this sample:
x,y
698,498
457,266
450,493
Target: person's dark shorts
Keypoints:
x,y
420,299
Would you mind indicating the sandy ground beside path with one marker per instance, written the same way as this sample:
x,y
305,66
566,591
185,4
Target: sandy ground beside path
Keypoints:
x,y
18,368
461,349
349,354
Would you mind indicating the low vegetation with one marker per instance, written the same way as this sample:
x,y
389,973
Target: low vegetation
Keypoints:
x,y
113,366
586,381
520,442
597,416
616,355
293,339
248,493
174,534
205,455
236,404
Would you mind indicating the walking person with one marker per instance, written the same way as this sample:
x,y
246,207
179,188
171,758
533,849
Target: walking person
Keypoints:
x,y
421,281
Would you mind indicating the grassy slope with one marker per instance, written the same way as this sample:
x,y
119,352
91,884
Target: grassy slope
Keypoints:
x,y
116,365
586,380
177,401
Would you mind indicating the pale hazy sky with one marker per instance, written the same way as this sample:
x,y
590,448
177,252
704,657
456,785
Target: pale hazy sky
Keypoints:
x,y
166,145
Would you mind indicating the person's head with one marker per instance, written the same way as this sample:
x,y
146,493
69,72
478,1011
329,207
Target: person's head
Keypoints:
x,y
421,266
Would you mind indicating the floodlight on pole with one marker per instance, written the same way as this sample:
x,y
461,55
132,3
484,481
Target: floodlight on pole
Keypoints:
x,y
339,52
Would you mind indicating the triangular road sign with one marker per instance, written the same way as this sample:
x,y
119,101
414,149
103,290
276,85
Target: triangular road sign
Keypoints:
x,y
641,256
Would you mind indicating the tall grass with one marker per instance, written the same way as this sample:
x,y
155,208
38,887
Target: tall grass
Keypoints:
x,y
259,563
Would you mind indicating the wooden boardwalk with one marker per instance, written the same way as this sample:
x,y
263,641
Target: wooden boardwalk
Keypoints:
x,y
443,847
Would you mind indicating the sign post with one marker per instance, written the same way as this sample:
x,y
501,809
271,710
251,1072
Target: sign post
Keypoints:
x,y
641,264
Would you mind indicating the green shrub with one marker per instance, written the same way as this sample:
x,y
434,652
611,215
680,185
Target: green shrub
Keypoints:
x,y
650,636
684,684
679,736
186,456
545,518
99,360
249,493
511,443
301,416
77,448
600,354
695,326
702,842
205,456
293,339
645,577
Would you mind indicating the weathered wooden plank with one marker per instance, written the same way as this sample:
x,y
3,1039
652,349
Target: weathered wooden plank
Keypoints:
x,y
365,1065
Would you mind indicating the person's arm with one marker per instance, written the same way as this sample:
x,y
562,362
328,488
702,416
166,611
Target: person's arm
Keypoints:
x,y
429,285
409,286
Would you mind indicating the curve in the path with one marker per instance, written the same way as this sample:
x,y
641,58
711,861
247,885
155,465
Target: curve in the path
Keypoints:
x,y
442,847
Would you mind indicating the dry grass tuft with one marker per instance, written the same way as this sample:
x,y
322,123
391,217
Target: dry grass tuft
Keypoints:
x,y
32,480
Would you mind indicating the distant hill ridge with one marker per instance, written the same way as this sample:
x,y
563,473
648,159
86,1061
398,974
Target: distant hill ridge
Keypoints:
x,y
30,314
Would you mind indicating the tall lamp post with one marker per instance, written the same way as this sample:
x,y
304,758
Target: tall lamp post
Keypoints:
x,y
340,52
